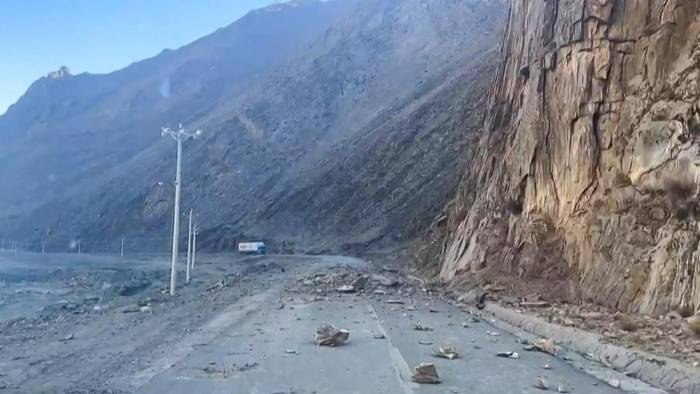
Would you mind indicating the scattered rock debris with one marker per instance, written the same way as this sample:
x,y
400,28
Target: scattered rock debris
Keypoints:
x,y
481,301
665,335
131,309
218,285
353,282
385,281
224,372
545,345
346,289
692,326
329,335
425,373
512,355
386,268
625,322
447,352
360,283
67,338
535,304
421,327
133,286
542,384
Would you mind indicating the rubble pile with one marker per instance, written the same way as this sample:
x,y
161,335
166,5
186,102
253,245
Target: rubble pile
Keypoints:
x,y
670,335
351,282
663,335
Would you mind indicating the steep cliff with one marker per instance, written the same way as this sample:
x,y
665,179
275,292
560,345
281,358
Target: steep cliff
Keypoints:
x,y
587,174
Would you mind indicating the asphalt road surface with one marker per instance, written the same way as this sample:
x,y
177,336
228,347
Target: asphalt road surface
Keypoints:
x,y
104,325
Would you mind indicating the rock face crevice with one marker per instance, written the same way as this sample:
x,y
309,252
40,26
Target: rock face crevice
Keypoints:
x,y
589,166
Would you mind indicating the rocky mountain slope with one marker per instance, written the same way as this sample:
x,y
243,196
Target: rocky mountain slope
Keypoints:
x,y
330,129
588,172
67,130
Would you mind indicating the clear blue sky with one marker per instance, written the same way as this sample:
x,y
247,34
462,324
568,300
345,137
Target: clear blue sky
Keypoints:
x,y
99,36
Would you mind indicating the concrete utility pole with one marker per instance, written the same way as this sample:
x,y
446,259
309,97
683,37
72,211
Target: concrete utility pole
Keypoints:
x,y
121,253
194,244
179,135
189,248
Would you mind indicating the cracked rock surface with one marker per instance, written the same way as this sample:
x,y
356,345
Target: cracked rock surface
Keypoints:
x,y
587,172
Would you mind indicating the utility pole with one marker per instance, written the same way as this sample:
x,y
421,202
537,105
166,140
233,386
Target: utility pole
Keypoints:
x,y
179,135
194,243
43,246
121,253
189,249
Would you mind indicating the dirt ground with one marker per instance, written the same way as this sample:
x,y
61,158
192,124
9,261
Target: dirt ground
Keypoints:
x,y
92,313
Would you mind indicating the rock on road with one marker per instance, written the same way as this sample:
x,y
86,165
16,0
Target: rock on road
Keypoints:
x,y
262,341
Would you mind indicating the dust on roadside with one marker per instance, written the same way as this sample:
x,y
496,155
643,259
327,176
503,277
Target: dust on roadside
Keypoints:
x,y
92,329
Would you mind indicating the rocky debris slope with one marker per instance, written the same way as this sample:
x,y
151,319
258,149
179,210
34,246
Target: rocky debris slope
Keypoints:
x,y
386,183
587,174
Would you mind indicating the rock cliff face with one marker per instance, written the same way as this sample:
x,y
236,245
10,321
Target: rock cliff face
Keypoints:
x,y
587,173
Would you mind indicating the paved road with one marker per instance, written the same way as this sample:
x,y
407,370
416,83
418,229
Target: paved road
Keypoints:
x,y
261,348
256,335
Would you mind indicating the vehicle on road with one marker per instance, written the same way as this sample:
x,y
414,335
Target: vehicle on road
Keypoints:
x,y
252,248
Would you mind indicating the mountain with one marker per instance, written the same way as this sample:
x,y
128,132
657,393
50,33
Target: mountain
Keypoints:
x,y
586,177
67,130
325,124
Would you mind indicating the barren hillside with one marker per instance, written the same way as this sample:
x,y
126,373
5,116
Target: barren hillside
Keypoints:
x,y
331,132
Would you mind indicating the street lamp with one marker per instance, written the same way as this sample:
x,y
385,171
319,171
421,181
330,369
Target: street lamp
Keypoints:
x,y
179,135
